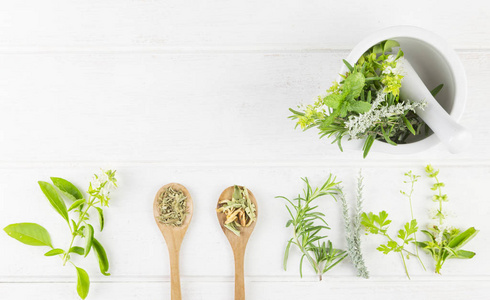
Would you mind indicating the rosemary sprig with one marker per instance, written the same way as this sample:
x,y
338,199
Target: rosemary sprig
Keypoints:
x,y
308,224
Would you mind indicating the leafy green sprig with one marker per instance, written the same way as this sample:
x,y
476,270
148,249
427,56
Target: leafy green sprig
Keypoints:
x,y
308,225
407,236
77,219
445,241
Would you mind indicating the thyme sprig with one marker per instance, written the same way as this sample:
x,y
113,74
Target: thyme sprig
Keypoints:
x,y
308,226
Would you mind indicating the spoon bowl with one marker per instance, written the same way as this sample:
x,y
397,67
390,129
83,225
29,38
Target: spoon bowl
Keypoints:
x,y
174,236
238,243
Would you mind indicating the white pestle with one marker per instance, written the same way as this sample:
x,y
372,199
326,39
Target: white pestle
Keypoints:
x,y
455,137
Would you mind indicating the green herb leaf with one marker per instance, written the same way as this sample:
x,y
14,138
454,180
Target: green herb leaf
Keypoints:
x,y
102,256
463,238
465,254
89,237
67,188
333,100
55,200
77,250
83,283
29,233
389,44
359,106
353,85
101,217
54,252
76,204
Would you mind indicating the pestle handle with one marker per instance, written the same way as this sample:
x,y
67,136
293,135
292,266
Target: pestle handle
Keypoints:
x,y
455,137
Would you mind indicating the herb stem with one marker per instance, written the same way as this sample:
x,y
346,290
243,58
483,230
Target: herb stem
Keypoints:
x,y
73,234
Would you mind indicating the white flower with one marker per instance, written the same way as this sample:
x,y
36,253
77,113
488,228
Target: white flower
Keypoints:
x,y
357,125
398,69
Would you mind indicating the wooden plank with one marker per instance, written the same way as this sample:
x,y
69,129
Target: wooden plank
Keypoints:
x,y
187,108
202,289
113,24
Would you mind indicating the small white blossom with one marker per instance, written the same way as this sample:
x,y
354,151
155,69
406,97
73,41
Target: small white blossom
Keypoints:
x,y
357,125
398,69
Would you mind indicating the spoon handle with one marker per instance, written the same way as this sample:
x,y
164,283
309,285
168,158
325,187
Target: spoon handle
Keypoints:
x,y
239,275
174,274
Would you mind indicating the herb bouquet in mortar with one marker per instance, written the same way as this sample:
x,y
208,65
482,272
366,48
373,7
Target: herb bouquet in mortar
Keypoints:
x,y
366,103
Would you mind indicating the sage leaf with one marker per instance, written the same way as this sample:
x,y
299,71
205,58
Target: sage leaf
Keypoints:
x,y
77,250
76,204
101,217
102,256
54,252
29,233
67,188
83,283
89,237
55,199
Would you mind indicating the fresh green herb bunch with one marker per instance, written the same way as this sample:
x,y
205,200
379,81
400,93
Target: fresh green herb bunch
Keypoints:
x,y
353,228
308,224
445,241
77,219
366,104
379,224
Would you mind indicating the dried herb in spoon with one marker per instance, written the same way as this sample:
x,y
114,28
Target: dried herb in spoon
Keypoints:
x,y
173,207
239,211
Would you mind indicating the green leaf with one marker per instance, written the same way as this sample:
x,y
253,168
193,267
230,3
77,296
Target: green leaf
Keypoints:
x,y
29,234
67,188
333,100
389,44
89,237
101,218
353,85
359,106
437,89
409,125
286,254
461,239
348,65
83,283
465,254
76,204
367,145
77,250
55,199
54,252
102,256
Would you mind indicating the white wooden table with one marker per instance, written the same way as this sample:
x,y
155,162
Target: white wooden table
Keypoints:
x,y
197,92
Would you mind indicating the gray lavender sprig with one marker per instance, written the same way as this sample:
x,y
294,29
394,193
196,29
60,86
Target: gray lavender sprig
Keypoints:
x,y
353,228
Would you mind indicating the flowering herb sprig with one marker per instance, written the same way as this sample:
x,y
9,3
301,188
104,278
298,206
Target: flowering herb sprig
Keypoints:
x,y
352,227
77,219
445,241
308,226
379,224
366,103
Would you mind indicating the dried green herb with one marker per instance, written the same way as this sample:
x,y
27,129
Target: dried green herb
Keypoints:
x,y
173,207
239,211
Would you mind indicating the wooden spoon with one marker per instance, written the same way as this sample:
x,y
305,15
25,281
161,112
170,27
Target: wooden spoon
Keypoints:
x,y
238,243
173,237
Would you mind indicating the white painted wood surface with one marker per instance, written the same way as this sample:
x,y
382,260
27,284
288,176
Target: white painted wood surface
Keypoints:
x,y
197,92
